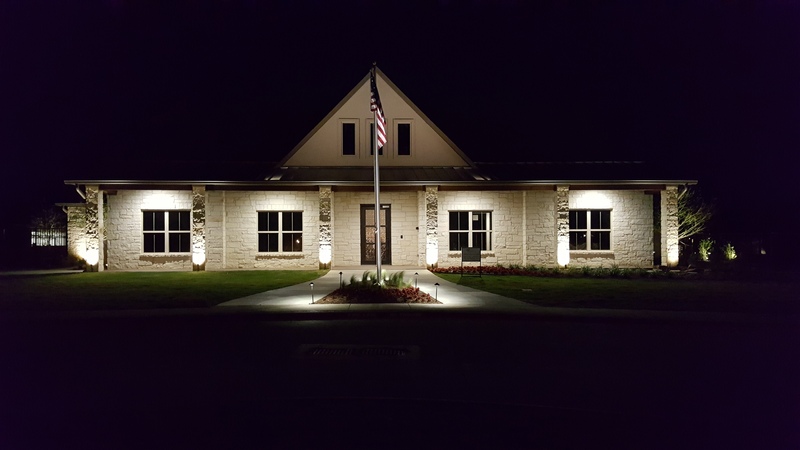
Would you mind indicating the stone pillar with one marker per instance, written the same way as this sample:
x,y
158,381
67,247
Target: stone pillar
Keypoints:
x,y
524,228
94,229
325,227
431,226
76,231
198,228
562,225
669,226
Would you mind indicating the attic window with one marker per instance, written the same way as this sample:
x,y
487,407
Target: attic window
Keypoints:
x,y
404,139
348,139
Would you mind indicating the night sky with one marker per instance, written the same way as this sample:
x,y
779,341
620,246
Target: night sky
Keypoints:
x,y
711,88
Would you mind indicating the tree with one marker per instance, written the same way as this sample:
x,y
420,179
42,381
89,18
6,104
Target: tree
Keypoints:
x,y
694,213
49,218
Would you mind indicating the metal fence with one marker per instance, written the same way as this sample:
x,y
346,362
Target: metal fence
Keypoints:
x,y
48,237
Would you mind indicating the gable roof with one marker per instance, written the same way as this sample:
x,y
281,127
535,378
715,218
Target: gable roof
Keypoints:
x,y
321,146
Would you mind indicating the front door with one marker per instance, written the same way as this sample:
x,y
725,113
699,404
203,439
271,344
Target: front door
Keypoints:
x,y
368,234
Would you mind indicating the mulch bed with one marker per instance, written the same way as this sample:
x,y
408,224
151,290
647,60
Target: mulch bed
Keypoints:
x,y
377,295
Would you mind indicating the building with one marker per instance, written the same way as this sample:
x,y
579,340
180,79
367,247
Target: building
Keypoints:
x,y
316,207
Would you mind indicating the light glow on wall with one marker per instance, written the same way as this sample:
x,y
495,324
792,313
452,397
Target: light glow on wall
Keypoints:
x,y
590,200
672,255
325,253
159,200
432,254
198,257
562,251
92,256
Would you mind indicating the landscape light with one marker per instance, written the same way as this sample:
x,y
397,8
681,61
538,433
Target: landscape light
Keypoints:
x,y
198,257
92,256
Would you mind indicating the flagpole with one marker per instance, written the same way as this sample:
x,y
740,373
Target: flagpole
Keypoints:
x,y
377,197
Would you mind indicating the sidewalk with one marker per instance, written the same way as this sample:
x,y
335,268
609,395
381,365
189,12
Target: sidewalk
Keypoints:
x,y
297,298
458,300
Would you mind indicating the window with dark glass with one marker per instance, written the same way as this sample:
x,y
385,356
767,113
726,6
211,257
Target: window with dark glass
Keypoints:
x,y
470,229
590,229
280,231
166,231
348,139
404,139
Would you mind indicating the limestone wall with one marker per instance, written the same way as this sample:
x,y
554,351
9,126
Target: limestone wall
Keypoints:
x,y
405,236
541,227
124,225
507,223
631,228
76,231
232,229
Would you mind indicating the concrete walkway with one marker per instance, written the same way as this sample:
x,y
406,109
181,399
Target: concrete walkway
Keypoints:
x,y
296,300
454,297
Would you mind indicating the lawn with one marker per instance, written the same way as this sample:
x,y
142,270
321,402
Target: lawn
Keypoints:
x,y
140,290
648,294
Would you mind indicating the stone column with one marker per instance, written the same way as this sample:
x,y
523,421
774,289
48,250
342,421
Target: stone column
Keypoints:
x,y
431,226
325,227
198,228
76,231
669,226
562,225
94,229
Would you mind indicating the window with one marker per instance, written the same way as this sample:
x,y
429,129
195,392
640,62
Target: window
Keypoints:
x,y
470,229
167,231
590,230
280,231
404,139
372,141
348,138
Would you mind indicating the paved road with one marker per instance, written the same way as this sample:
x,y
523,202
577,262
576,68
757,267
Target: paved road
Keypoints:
x,y
674,384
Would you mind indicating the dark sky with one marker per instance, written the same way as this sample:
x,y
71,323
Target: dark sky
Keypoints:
x,y
711,88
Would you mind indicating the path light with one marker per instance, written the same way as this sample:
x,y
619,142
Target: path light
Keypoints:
x,y
312,292
416,274
436,297
341,283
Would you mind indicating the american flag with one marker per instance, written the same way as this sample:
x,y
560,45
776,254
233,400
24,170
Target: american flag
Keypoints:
x,y
375,106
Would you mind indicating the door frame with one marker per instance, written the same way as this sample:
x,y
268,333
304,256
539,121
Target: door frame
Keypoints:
x,y
386,255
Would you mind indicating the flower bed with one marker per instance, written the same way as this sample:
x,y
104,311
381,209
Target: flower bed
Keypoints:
x,y
568,272
374,294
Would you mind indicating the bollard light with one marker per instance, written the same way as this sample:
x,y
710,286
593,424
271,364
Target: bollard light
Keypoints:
x,y
416,274
341,283
436,296
312,292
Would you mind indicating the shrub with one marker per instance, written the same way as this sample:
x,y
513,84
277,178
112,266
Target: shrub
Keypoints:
x,y
729,252
704,249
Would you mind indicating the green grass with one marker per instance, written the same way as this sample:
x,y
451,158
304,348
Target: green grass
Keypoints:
x,y
140,290
647,294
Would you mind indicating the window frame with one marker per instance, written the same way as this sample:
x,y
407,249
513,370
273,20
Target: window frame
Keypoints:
x,y
591,229
354,123
281,233
470,231
397,124
167,232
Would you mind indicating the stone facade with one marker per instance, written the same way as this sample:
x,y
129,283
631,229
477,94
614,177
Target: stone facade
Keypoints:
x,y
405,235
631,227
529,227
325,226
76,231
540,233
669,226
506,208
232,229
95,232
124,226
